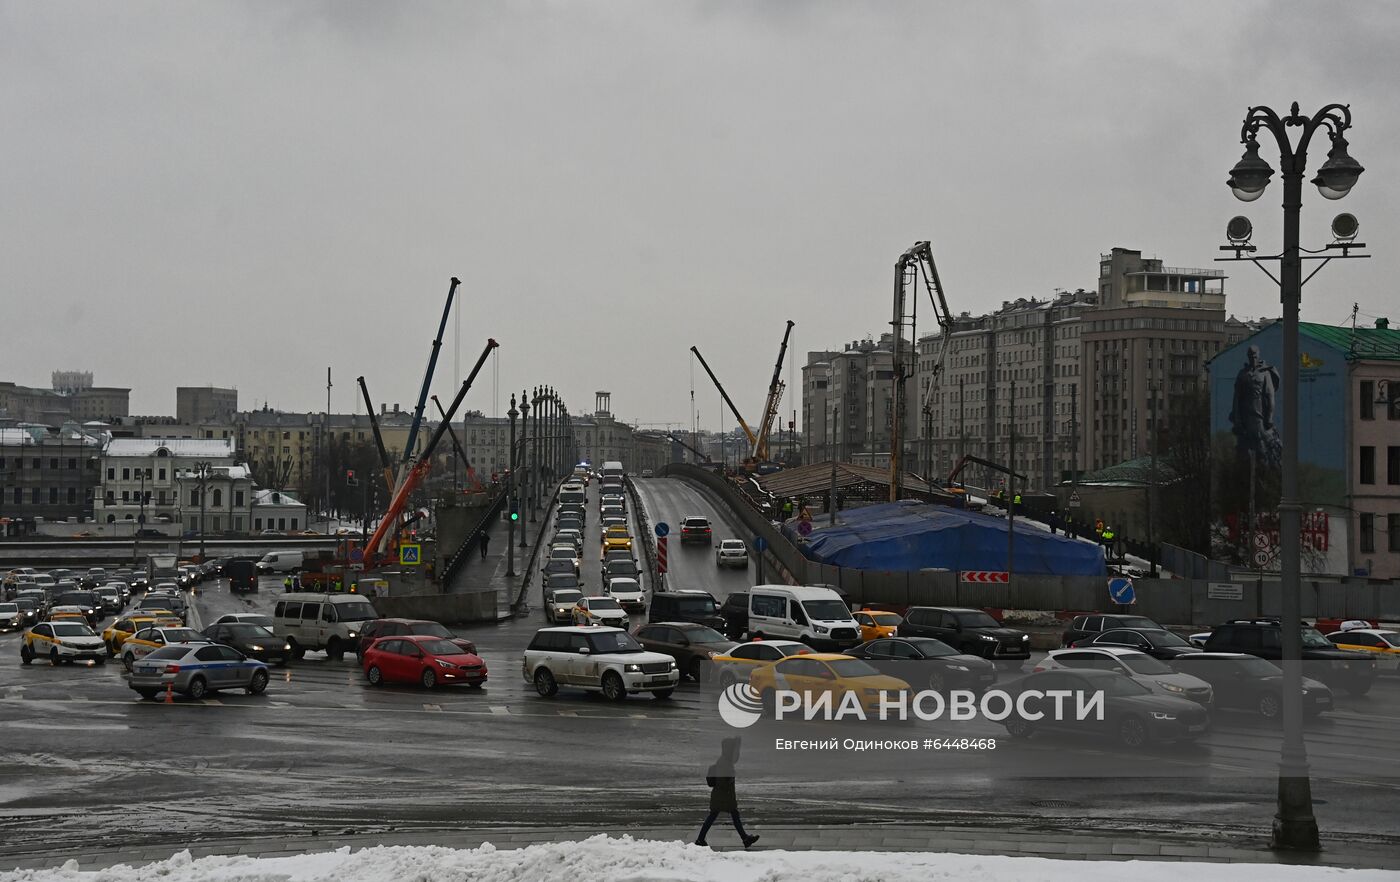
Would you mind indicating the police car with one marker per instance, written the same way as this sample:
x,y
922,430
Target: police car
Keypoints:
x,y
197,669
67,641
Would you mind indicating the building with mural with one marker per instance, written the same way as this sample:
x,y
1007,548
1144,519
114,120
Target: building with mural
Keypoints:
x,y
1348,449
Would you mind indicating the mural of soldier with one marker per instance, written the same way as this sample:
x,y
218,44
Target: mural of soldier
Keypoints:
x,y
1252,411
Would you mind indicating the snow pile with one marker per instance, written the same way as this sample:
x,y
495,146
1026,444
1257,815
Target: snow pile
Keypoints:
x,y
604,859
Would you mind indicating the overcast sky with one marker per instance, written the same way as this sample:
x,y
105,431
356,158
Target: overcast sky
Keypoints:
x,y
245,194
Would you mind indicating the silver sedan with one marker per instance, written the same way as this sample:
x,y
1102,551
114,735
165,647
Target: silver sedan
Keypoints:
x,y
197,669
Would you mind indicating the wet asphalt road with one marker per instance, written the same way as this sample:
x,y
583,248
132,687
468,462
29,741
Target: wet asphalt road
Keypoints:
x,y
83,760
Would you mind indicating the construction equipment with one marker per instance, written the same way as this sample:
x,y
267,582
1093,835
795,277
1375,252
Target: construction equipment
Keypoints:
x,y
428,374
408,480
472,479
759,454
748,433
913,264
384,464
698,454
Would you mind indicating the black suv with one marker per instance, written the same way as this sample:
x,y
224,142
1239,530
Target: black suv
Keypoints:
x,y
1086,626
967,630
686,605
1340,668
695,529
88,601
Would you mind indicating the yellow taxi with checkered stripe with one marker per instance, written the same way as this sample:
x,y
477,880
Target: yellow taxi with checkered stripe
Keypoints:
x,y
1382,643
116,634
148,640
62,641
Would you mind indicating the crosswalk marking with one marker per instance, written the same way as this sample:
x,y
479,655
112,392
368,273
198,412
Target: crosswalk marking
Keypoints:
x,y
500,710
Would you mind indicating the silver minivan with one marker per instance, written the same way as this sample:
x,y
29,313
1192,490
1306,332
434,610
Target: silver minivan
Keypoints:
x,y
330,622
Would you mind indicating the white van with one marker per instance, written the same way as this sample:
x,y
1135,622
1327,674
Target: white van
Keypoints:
x,y
281,562
332,622
816,616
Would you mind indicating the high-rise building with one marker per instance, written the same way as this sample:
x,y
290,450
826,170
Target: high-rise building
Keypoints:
x,y
205,404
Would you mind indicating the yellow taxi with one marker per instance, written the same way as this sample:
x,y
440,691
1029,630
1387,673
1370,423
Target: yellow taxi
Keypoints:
x,y
117,633
877,623
66,614
738,663
818,672
65,640
1382,643
148,640
617,536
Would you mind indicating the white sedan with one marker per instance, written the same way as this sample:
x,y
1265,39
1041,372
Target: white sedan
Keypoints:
x,y
732,553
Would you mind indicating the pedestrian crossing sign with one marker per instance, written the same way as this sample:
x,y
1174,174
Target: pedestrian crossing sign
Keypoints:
x,y
410,555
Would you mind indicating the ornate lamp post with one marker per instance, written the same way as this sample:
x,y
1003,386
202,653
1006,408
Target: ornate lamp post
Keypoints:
x,y
523,486
510,493
1295,826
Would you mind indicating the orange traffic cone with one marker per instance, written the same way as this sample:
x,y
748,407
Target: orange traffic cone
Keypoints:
x,y
169,693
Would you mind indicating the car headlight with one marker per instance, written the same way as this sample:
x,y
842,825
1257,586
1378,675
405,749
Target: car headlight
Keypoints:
x,y
674,667
444,664
352,633
286,647
1172,687
1025,636
633,669
962,668
986,637
256,648
712,654
1161,716
819,629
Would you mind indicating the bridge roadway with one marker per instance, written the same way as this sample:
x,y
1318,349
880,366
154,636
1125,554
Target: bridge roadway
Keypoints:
x,y
81,759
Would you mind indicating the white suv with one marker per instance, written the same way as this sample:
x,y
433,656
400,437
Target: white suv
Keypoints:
x,y
732,553
606,660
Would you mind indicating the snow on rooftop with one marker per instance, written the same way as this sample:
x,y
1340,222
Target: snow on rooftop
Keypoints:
x,y
182,447
604,859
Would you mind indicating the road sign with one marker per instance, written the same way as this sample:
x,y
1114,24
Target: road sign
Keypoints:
x,y
1074,499
660,554
410,555
1262,558
1120,590
985,576
1261,541
357,555
804,527
663,529
760,544
1225,591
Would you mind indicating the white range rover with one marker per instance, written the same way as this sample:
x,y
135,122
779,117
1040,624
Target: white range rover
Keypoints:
x,y
606,660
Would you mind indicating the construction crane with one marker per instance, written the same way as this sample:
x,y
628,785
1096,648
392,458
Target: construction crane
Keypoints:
x,y
428,374
417,469
748,433
913,265
384,464
698,454
759,453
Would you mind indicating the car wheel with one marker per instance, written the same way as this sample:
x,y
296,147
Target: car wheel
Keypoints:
x,y
53,656
1132,732
197,688
298,652
694,669
258,683
101,661
613,688
25,656
128,660
334,651
937,681
1269,706
544,683
429,678
662,694
374,676
1018,728
111,651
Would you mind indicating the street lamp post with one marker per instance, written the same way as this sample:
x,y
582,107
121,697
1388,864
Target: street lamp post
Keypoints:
x,y
524,486
510,493
203,469
536,485
1295,826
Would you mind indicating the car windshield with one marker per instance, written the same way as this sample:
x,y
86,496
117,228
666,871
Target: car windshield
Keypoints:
x,y
601,603
429,629
852,667
887,619
930,648
563,580
704,635
977,620
71,629
264,621
563,597
1164,639
615,641
559,566
245,631
1390,637
181,635
622,568
1146,664
441,647
826,610
562,552
356,611
7,608
1313,639
695,606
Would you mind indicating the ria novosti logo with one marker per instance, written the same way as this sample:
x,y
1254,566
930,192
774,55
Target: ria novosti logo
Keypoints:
x,y
740,705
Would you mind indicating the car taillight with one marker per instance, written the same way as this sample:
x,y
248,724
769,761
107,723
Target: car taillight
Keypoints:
x,y
172,669
1037,669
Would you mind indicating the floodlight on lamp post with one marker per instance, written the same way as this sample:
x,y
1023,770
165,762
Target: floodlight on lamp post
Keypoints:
x,y
1295,826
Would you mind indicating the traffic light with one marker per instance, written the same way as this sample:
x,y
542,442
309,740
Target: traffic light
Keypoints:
x,y
514,509
350,478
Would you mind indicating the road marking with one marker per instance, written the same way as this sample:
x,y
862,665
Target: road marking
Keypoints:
x,y
433,708
212,702
568,713
500,710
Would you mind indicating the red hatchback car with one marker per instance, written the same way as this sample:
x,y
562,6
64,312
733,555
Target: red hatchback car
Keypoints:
x,y
422,659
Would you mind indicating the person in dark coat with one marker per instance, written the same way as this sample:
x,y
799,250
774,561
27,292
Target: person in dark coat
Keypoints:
x,y
485,541
720,777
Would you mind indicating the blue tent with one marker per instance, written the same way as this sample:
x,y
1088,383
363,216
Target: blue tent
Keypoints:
x,y
910,535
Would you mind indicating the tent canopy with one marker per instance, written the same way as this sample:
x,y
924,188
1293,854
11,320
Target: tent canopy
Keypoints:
x,y
907,536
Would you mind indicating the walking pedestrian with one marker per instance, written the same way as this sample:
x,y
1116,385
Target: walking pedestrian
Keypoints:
x,y
722,797
485,541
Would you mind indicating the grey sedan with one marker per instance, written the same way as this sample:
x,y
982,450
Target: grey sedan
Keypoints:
x,y
197,669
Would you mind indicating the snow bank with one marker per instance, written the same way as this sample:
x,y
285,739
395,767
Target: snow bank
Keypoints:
x,y
604,859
